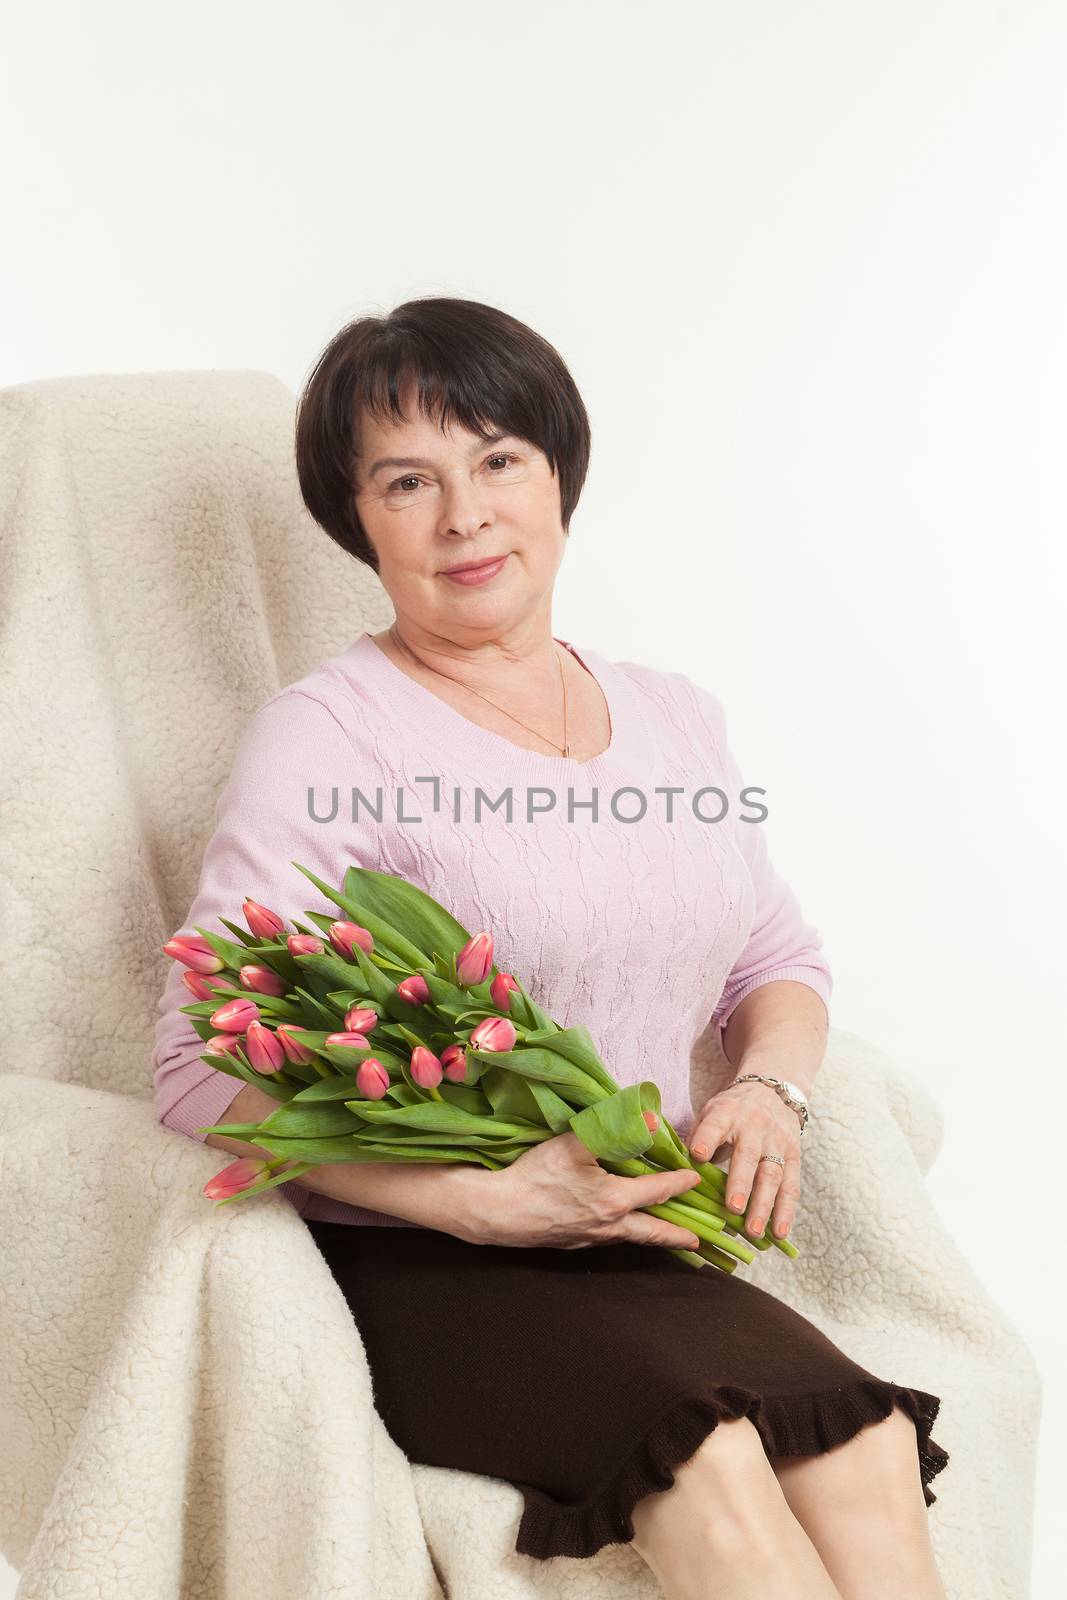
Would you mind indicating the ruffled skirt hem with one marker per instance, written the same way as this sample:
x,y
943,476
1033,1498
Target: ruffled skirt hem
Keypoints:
x,y
789,1425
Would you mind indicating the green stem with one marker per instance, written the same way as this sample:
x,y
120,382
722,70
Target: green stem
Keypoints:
x,y
703,1230
714,1206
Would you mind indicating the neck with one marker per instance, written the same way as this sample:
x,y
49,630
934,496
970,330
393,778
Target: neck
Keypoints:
x,y
502,661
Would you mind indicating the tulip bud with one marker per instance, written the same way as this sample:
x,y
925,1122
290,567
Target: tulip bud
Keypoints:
x,y
372,1080
195,952
651,1120
223,1044
299,1054
475,960
425,1067
415,990
203,987
361,1019
495,1033
262,980
264,1051
304,944
235,1016
265,924
454,1061
501,989
343,935
353,1041
239,1175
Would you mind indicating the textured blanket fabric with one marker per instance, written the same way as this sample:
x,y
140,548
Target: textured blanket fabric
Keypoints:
x,y
185,1403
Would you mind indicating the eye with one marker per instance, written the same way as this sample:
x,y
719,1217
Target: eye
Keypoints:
x,y
395,486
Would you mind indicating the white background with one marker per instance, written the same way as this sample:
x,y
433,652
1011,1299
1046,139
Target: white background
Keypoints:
x,y
806,264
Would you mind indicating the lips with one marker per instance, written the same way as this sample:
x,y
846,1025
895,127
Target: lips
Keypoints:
x,y
474,566
476,577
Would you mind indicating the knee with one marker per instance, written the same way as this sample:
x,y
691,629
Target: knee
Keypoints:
x,y
731,1474
880,1466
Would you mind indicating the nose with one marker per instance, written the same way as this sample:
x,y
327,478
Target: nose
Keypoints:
x,y
465,506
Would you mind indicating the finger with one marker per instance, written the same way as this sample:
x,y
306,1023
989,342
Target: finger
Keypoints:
x,y
743,1163
656,1187
785,1206
764,1191
709,1136
638,1227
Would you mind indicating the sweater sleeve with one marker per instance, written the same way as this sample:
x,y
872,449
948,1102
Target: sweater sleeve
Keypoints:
x,y
780,943
263,824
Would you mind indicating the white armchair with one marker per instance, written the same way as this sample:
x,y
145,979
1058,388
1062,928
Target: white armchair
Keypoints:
x,y
185,1404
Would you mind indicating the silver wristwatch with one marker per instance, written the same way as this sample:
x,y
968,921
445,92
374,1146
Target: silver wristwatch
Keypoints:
x,y
791,1093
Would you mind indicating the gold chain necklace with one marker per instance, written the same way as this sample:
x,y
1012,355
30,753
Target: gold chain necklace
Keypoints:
x,y
565,750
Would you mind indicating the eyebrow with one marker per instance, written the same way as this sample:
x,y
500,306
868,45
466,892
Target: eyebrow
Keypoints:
x,y
420,461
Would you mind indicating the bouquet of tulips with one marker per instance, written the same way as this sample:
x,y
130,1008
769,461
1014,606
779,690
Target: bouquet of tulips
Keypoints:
x,y
389,1035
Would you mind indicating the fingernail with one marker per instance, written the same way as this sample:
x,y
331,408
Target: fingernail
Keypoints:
x,y
780,1229
736,1202
700,1151
756,1224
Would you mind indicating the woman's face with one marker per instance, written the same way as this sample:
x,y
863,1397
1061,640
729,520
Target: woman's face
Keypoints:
x,y
430,499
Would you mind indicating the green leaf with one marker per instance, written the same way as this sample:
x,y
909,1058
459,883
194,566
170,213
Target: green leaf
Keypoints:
x,y
512,1096
539,1018
466,1097
234,955
384,930
405,905
437,1116
557,1113
577,1045
238,1067
615,1128
299,1120
547,1066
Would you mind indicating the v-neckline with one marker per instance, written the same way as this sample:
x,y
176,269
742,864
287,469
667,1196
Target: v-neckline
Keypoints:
x,y
420,699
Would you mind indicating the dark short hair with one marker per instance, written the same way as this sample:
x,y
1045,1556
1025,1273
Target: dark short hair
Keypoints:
x,y
469,362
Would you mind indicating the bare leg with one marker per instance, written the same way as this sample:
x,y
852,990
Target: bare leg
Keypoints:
x,y
724,1529
862,1505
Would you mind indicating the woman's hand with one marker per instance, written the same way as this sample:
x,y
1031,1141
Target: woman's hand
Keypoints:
x,y
557,1193
757,1122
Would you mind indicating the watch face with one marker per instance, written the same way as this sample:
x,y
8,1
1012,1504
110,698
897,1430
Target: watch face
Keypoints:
x,y
794,1091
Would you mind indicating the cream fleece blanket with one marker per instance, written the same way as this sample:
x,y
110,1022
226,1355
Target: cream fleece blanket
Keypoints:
x,y
185,1405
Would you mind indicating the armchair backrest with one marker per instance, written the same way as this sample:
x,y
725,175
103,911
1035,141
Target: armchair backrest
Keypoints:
x,y
160,578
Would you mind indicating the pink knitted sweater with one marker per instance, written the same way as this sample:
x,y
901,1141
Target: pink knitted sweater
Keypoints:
x,y
609,886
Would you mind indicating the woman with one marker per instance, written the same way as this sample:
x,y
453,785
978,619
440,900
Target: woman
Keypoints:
x,y
689,1412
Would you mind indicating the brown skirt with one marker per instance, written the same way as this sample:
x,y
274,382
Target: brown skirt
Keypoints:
x,y
583,1376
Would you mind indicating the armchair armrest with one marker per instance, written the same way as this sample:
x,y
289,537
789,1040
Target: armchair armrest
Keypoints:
x,y
176,1372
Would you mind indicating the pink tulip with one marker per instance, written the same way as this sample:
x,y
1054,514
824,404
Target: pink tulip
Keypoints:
x,y
353,1041
299,1054
223,1044
425,1067
501,989
195,952
235,1016
261,980
475,960
372,1080
343,935
651,1120
361,1019
495,1033
264,1051
239,1175
454,1061
415,990
203,987
304,944
265,924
